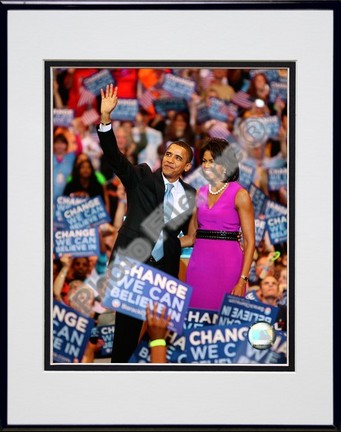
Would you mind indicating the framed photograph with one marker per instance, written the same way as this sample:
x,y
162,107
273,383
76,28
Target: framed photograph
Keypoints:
x,y
54,80
164,103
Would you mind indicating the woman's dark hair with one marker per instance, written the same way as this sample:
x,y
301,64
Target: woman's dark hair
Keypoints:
x,y
252,89
223,155
93,188
77,168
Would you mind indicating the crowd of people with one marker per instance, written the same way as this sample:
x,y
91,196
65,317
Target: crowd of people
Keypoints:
x,y
194,118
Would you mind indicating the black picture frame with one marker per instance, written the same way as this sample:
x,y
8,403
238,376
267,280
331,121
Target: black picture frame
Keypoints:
x,y
331,6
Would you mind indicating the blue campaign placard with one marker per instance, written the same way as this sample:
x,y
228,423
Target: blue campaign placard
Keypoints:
x,y
195,318
252,273
258,199
238,310
79,243
132,285
277,178
126,110
214,344
271,125
83,215
260,227
178,86
273,209
163,105
98,81
246,175
203,113
62,117
71,332
218,109
106,333
277,354
141,353
277,229
63,203
251,295
278,90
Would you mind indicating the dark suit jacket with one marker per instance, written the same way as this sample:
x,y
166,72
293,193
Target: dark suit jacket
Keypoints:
x,y
145,192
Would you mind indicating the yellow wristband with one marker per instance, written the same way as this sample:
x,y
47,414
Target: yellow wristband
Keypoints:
x,y
157,342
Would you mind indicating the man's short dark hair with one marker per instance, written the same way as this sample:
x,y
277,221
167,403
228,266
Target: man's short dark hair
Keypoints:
x,y
185,146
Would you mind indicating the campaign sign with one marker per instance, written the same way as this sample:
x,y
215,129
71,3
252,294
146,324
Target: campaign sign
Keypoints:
x,y
79,243
163,105
203,113
260,226
63,203
175,354
106,333
126,110
214,344
278,90
238,310
195,318
98,81
141,353
277,178
252,273
277,354
246,175
71,332
132,285
83,215
217,109
273,209
277,229
258,199
251,295
271,125
179,87
62,117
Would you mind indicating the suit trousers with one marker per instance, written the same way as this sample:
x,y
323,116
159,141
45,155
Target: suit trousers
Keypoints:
x,y
128,329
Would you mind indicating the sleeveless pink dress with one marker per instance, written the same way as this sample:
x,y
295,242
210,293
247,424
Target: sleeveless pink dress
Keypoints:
x,y
215,265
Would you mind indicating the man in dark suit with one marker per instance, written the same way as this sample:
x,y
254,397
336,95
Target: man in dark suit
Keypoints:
x,y
145,198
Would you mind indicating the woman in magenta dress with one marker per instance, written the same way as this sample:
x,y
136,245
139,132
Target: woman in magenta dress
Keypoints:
x,y
218,264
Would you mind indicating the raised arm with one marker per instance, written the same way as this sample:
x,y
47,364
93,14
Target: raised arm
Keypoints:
x,y
115,159
109,101
66,261
157,327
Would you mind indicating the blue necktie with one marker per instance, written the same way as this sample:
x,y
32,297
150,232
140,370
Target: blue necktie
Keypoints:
x,y
157,251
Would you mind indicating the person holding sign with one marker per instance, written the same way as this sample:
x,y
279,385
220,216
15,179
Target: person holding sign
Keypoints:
x,y
146,235
157,329
218,265
85,184
269,292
